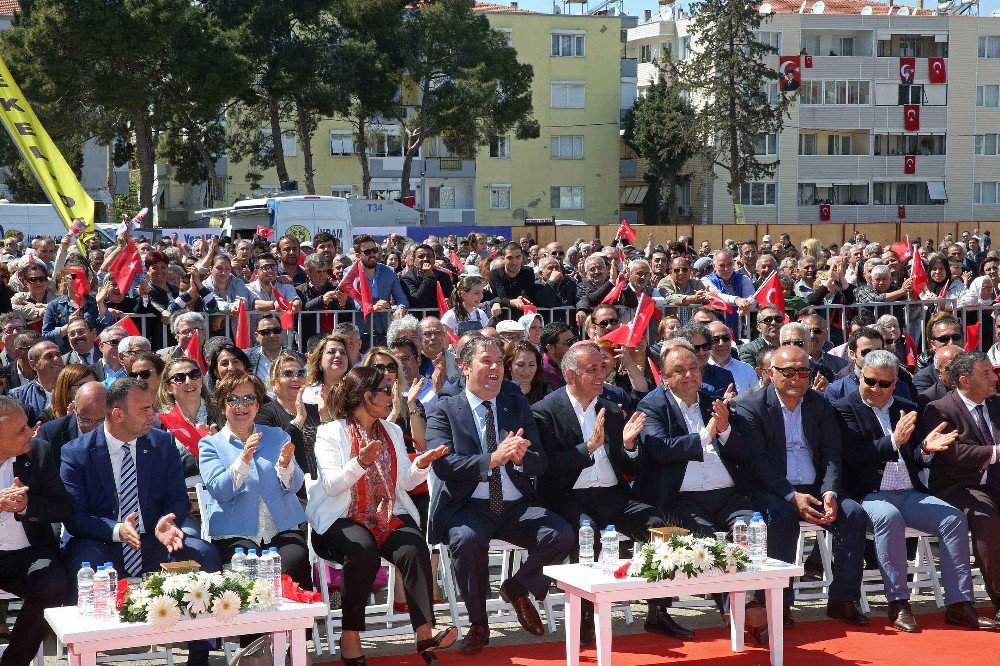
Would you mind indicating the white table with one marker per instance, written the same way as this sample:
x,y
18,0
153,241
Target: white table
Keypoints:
x,y
84,637
603,590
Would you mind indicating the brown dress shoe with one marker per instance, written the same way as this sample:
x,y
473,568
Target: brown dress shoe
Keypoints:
x,y
901,616
848,612
964,614
476,638
526,612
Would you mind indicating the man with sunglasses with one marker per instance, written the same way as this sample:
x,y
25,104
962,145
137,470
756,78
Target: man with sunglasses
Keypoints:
x,y
319,293
262,290
270,343
816,327
769,320
386,289
10,326
111,361
942,357
794,469
721,355
944,330
860,343
884,452
795,334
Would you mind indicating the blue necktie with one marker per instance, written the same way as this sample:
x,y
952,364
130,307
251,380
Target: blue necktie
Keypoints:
x,y
128,500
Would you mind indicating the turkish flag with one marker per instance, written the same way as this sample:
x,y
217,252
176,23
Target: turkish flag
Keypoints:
x,y
355,284
824,212
626,231
656,371
442,301
193,352
973,334
901,211
81,284
911,117
616,292
242,327
809,61
181,428
906,70
919,274
903,249
911,350
125,266
631,334
129,326
456,261
287,318
264,232
910,164
937,70
789,72
716,303
771,293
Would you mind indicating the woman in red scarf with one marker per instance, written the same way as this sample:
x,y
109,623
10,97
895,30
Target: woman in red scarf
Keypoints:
x,y
360,511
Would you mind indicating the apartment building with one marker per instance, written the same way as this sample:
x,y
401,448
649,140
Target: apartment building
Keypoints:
x,y
570,172
847,153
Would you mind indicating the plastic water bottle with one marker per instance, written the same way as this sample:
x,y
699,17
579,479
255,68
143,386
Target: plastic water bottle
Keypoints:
x,y
250,565
586,544
238,563
112,586
609,550
740,536
276,572
264,570
102,610
85,590
757,533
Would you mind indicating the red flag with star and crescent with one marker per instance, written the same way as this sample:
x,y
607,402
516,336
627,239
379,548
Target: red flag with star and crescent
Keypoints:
x,y
355,284
911,117
631,334
716,303
919,275
906,70
125,266
193,352
626,231
81,284
616,292
937,70
771,293
178,425
287,314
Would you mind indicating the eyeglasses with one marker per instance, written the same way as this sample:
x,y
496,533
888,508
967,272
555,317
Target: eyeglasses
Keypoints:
x,y
716,339
817,331
769,320
144,375
268,267
406,358
36,279
337,352
559,253
880,382
182,377
945,339
385,368
383,389
296,374
681,270
865,352
794,343
112,342
702,347
370,251
88,424
606,323
788,373
241,400
269,331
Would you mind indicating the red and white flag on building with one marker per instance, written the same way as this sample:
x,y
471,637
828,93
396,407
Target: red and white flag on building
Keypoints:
x,y
937,70
355,284
789,73
771,293
911,117
824,212
808,61
901,211
906,70
910,164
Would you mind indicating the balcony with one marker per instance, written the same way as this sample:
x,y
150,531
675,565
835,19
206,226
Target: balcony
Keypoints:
x,y
441,216
450,167
831,168
844,117
853,214
862,67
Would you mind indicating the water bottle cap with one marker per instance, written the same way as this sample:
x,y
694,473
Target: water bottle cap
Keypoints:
x,y
756,515
253,551
610,528
585,523
274,550
85,564
239,549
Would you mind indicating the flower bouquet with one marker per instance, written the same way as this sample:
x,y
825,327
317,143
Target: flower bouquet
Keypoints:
x,y
685,554
163,599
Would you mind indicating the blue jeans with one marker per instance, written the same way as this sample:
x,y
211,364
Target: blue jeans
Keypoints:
x,y
891,512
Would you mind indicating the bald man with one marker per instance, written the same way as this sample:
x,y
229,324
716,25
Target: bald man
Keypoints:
x,y
940,388
86,413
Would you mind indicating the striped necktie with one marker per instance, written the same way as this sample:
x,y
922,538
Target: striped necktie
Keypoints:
x,y
128,500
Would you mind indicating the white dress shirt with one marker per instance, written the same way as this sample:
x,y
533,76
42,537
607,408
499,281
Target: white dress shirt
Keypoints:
x,y
482,491
601,474
743,373
116,450
710,473
971,406
12,536
895,476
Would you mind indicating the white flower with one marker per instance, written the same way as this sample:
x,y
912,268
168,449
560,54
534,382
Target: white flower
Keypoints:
x,y
140,596
700,557
263,596
172,584
226,606
163,613
209,579
197,598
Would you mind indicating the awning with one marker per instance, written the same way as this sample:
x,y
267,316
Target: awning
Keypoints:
x,y
633,196
936,191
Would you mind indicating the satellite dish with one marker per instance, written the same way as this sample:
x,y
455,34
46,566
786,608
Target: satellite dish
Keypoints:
x,y
866,11
765,8
903,11
819,7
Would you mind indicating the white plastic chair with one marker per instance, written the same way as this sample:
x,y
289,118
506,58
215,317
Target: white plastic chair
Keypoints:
x,y
824,541
924,572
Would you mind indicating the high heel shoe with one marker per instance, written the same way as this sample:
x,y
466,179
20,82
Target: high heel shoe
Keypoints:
x,y
351,661
442,640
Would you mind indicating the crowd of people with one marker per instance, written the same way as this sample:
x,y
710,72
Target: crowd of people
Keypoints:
x,y
482,392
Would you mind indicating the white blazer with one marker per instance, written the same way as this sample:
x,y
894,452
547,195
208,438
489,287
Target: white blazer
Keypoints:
x,y
330,497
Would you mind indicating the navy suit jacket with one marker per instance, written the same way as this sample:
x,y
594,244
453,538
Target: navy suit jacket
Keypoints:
x,y
716,380
87,474
32,398
926,378
59,431
850,382
450,423
667,448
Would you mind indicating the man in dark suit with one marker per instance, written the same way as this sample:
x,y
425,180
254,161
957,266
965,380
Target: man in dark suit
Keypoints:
x,y
939,389
861,342
592,453
81,335
486,491
32,499
966,475
89,407
794,468
420,282
715,380
884,452
129,497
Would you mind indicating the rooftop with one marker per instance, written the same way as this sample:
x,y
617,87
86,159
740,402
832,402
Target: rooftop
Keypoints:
x,y
9,7
842,7
491,8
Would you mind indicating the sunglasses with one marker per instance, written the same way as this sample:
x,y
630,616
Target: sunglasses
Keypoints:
x,y
769,320
182,377
559,254
144,375
241,400
268,267
386,368
881,383
788,373
716,339
111,342
702,347
269,331
794,343
370,251
681,270
36,279
945,339
606,323
383,389
289,374
817,331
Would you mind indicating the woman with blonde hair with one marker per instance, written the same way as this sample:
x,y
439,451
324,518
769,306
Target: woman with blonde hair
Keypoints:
x,y
182,384
325,367
287,411
813,248
70,379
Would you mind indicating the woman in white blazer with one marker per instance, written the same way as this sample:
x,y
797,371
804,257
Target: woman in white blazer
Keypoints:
x,y
360,511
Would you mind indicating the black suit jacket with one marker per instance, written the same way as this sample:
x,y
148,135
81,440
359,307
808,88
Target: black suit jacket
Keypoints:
x,y
963,464
421,291
59,431
566,450
867,449
758,420
48,501
667,448
926,378
450,423
935,392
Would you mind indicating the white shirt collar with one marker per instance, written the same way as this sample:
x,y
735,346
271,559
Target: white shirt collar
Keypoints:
x,y
578,406
114,442
680,403
475,401
884,410
971,406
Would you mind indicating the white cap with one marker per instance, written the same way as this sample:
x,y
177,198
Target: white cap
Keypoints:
x,y
766,238
510,326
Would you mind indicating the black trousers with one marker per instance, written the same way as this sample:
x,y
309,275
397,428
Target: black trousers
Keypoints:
x,y
354,547
292,548
39,578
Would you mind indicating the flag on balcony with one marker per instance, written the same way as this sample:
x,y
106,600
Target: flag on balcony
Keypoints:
x,y
911,117
824,212
790,72
906,70
809,61
901,211
910,164
937,70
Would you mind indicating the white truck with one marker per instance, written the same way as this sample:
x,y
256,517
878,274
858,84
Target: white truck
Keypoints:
x,y
34,220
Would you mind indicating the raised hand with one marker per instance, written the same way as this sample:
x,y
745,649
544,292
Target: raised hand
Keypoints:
x,y
129,533
507,449
411,395
440,374
169,534
820,383
632,429
15,498
250,447
904,428
596,440
370,452
937,440
287,451
424,460
729,394
720,415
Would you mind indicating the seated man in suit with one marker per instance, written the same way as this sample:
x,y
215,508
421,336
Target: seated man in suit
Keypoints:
x,y
81,335
859,344
883,453
943,329
795,459
486,490
36,395
129,498
89,408
32,499
939,389
716,381
967,475
592,451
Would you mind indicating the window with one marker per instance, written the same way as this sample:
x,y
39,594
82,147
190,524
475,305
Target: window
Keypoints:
x,y
666,50
683,195
843,46
567,147
773,93
767,145
908,193
567,45
989,46
442,196
986,145
341,191
684,50
500,147
911,144
758,194
508,36
911,94
909,46
988,97
567,95
772,39
646,53
807,144
985,193
384,144
288,145
500,197
385,193
435,147
567,197
341,143
838,144
811,92
811,44
836,92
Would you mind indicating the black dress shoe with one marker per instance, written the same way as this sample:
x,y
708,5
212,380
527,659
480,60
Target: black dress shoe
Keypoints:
x,y
660,622
787,621
442,640
964,614
901,616
588,637
848,612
